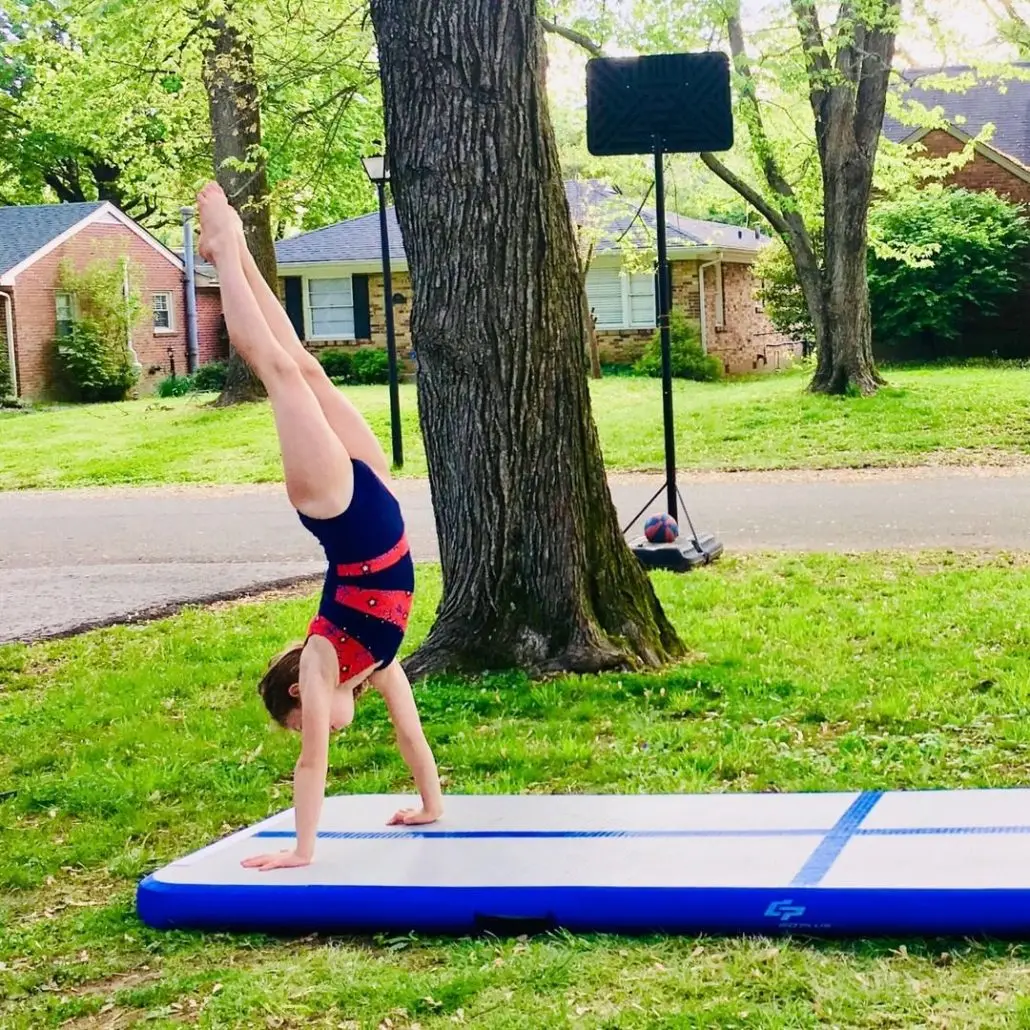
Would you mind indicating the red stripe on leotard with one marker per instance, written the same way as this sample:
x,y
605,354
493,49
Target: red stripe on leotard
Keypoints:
x,y
384,561
392,606
354,658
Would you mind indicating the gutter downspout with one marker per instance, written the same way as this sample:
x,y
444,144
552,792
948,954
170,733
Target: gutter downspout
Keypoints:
x,y
190,284
9,331
126,295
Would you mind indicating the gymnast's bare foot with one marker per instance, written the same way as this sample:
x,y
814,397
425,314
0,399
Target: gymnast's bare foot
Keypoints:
x,y
219,224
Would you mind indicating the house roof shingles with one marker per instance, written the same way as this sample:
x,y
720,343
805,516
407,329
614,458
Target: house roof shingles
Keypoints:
x,y
24,230
969,104
356,239
608,214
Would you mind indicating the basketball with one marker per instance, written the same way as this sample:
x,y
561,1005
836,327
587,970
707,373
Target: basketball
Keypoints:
x,y
661,529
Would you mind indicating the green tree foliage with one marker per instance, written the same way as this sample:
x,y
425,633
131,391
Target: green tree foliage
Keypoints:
x,y
780,294
949,255
938,260
86,115
6,383
810,86
101,100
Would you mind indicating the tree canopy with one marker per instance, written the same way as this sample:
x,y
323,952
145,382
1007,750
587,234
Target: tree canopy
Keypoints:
x,y
106,101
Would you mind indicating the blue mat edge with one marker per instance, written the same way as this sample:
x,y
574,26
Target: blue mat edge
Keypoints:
x,y
640,910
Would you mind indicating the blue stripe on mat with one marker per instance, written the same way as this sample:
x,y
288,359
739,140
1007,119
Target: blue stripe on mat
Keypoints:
x,y
538,834
886,831
820,861
944,831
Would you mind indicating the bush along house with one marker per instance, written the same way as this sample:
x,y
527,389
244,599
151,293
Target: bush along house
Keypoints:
x,y
43,247
983,122
332,282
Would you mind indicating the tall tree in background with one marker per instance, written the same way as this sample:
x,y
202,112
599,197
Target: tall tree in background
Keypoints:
x,y
139,102
81,119
536,572
109,100
239,163
847,91
846,72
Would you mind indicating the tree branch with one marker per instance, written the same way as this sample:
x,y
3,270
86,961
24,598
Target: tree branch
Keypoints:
x,y
748,192
578,38
817,60
874,77
749,97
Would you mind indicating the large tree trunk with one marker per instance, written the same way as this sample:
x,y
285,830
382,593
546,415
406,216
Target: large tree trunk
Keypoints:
x,y
536,572
593,346
845,357
233,101
845,354
848,97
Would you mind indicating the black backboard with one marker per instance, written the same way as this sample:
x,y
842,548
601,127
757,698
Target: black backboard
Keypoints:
x,y
682,99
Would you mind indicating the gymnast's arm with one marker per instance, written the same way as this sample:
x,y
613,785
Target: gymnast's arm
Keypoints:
x,y
393,684
318,676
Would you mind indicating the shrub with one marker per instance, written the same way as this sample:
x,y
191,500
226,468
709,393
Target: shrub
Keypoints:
x,y
937,260
942,258
210,378
90,367
780,294
338,365
6,380
92,361
175,386
689,361
370,365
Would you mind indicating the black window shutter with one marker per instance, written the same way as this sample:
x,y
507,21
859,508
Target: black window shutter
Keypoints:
x,y
293,295
362,314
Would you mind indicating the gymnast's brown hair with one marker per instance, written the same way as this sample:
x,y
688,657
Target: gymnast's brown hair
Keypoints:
x,y
276,685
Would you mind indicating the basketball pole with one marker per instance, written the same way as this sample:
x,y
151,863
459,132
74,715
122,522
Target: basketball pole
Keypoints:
x,y
664,304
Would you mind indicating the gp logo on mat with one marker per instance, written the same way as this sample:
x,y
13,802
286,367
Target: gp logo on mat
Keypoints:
x,y
785,910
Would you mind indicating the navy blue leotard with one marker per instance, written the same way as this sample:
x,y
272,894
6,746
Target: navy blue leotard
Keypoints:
x,y
370,581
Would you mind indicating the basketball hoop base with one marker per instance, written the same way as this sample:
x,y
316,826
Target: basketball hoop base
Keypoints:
x,y
679,556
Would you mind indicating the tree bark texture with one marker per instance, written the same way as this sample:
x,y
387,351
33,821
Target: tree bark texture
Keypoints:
x,y
536,572
230,79
848,96
593,345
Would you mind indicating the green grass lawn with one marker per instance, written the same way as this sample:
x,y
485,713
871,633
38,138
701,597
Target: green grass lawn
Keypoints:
x,y
953,415
124,747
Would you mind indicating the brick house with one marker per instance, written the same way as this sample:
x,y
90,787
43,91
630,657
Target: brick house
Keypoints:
x,y
963,109
34,244
332,282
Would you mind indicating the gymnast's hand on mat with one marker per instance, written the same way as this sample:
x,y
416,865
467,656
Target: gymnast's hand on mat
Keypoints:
x,y
280,860
414,817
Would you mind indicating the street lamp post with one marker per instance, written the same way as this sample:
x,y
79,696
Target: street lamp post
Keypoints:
x,y
378,171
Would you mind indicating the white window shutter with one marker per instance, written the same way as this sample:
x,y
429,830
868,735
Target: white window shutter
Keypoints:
x,y
604,295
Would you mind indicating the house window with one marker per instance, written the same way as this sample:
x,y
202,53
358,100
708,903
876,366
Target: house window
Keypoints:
x,y
331,308
621,300
641,302
65,308
163,313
